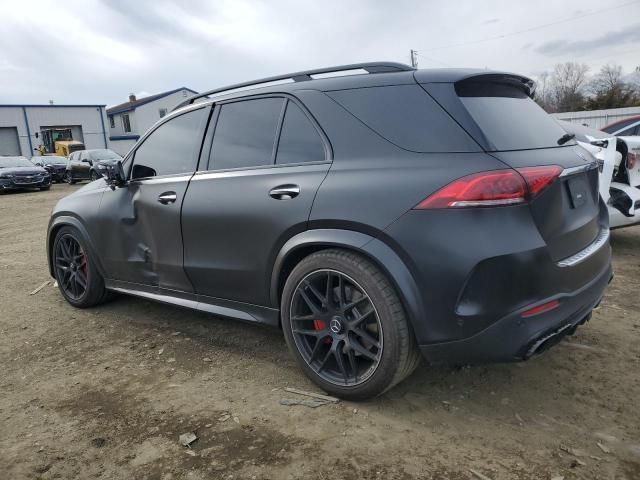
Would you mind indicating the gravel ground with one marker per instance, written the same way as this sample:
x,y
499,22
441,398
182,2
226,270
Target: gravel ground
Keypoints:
x,y
106,392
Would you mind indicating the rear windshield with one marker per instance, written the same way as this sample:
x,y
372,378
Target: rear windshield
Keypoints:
x,y
507,117
406,116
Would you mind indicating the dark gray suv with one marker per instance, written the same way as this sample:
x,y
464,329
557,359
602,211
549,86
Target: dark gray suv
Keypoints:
x,y
372,211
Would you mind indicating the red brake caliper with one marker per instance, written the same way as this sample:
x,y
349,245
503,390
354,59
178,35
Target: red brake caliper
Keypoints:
x,y
321,325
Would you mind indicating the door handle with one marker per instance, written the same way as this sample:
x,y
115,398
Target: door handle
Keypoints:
x,y
285,192
167,198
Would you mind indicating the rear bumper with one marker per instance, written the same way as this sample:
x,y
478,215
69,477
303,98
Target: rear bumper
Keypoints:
x,y
514,338
475,272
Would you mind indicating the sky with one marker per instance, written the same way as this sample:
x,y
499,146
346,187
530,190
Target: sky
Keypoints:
x,y
99,51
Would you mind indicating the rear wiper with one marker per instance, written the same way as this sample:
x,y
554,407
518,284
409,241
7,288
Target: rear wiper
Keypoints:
x,y
565,138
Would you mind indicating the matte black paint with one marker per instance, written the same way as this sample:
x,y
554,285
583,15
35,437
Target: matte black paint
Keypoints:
x,y
464,276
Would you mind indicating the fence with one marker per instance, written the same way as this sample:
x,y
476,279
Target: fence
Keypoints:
x,y
598,118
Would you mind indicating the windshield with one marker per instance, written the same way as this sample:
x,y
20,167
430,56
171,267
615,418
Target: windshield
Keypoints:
x,y
508,118
50,160
104,154
8,162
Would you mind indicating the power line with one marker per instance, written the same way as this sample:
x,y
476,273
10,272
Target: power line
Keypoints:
x,y
537,27
431,59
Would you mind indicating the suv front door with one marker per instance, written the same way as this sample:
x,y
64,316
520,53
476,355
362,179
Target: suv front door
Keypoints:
x,y
267,160
140,232
82,167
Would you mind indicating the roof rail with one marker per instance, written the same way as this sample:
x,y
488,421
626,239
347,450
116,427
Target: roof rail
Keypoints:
x,y
371,67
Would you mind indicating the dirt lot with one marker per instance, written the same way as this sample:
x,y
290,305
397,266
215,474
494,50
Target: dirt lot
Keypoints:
x,y
105,393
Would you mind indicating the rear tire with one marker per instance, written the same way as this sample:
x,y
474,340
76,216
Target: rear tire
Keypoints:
x,y
94,176
75,271
310,334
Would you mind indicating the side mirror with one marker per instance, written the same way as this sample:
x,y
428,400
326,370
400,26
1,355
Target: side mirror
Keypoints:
x,y
115,175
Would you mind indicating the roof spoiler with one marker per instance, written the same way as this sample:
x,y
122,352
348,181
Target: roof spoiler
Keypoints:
x,y
527,85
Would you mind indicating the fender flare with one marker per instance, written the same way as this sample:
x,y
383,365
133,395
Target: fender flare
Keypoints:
x,y
69,220
380,253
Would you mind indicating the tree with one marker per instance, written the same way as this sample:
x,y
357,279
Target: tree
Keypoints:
x,y
567,82
608,90
563,89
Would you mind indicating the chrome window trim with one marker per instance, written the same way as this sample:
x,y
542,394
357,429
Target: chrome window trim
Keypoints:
x,y
597,244
580,168
162,179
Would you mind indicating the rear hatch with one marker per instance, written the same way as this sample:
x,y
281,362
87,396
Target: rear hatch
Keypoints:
x,y
496,110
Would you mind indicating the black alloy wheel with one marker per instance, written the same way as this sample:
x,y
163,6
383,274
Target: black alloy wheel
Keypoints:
x,y
71,267
336,327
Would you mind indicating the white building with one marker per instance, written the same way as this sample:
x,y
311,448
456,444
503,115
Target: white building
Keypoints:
x,y
129,120
21,126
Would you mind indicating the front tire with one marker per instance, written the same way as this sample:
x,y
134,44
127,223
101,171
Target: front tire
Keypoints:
x,y
94,176
69,178
346,326
78,278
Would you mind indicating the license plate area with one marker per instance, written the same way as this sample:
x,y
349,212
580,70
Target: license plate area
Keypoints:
x,y
578,189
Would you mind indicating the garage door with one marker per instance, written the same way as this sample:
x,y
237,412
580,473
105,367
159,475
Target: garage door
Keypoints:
x,y
9,144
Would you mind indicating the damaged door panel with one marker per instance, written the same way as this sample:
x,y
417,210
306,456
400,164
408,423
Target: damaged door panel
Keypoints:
x,y
619,179
140,231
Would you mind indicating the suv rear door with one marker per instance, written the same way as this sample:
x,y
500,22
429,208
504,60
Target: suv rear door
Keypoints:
x,y
267,158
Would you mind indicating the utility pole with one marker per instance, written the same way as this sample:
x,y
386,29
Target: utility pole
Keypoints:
x,y
414,58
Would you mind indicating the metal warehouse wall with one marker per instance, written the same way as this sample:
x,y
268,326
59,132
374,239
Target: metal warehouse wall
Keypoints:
x,y
598,118
91,119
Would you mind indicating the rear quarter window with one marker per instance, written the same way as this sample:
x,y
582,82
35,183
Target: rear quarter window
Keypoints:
x,y
507,117
406,116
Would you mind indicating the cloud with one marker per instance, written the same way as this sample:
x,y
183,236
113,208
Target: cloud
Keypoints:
x,y
98,51
630,34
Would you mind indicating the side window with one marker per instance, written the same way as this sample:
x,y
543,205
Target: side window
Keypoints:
x,y
629,131
171,148
245,133
126,124
299,140
619,125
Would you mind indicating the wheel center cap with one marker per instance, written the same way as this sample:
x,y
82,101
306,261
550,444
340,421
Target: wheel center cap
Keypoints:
x,y
73,266
335,325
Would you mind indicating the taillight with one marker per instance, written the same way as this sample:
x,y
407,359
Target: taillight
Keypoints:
x,y
493,188
632,160
539,178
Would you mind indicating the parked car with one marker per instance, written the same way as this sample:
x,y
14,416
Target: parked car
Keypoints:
x,y
55,165
18,173
372,217
89,164
619,171
625,128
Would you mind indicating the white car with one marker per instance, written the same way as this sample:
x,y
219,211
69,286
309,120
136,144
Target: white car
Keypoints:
x,y
619,163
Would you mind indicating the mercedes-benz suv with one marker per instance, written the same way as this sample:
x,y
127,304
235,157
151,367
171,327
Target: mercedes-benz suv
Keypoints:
x,y
373,212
